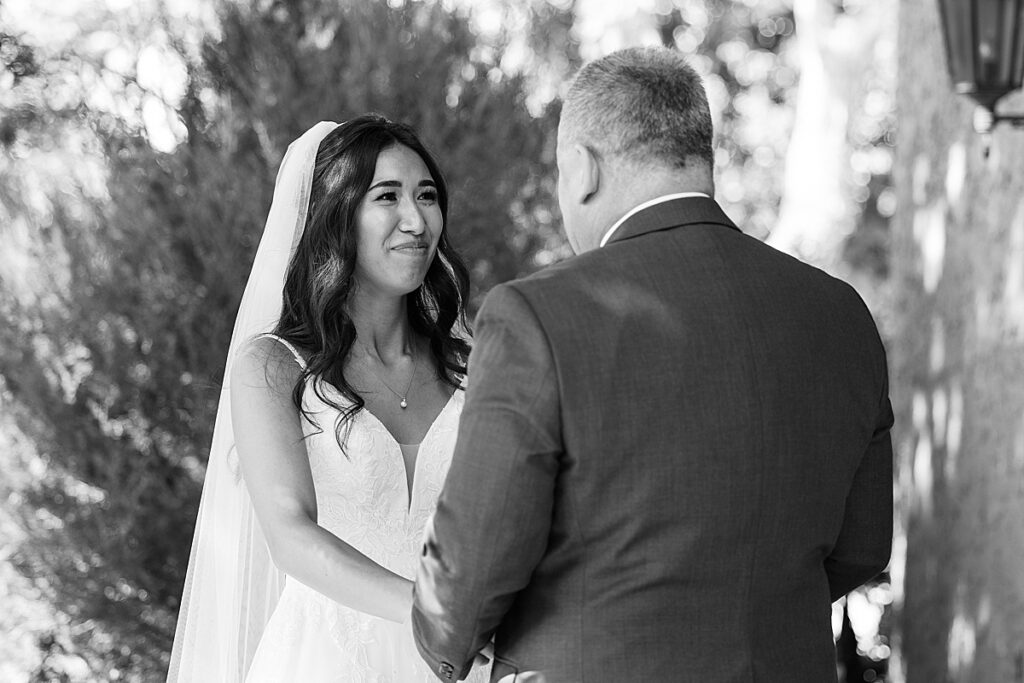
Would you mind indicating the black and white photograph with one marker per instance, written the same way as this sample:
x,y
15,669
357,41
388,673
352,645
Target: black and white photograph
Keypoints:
x,y
512,341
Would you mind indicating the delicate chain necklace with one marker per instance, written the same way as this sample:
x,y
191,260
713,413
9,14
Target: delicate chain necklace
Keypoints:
x,y
404,403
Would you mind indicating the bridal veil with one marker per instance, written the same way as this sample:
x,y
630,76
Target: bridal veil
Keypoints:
x,y
232,585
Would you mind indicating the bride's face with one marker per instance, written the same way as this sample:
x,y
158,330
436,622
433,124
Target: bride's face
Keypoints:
x,y
398,224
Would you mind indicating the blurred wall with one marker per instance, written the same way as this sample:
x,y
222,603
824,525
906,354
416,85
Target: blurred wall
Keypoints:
x,y
958,366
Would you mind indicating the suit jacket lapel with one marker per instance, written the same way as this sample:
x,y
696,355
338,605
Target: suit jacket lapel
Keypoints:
x,y
673,213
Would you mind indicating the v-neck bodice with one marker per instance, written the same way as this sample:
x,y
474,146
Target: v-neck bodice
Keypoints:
x,y
409,453
363,494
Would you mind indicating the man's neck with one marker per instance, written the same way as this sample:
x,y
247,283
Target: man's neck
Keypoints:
x,y
643,205
627,187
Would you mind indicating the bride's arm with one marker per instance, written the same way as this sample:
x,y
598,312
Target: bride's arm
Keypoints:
x,y
268,436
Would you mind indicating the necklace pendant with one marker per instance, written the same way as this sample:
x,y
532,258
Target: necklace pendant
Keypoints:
x,y
403,404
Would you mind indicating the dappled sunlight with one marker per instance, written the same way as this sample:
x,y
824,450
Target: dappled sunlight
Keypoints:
x,y
838,607
67,366
937,418
962,644
1018,447
930,236
923,475
866,606
1013,287
956,172
45,187
937,349
898,568
999,308
15,260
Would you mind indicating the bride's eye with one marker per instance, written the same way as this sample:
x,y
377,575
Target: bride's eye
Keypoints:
x,y
428,196
387,196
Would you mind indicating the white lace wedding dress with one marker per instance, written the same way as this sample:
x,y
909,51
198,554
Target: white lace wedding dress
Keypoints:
x,y
363,498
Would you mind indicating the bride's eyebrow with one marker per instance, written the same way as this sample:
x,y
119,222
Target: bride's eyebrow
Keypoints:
x,y
398,183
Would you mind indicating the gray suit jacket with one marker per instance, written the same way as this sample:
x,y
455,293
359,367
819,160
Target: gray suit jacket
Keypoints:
x,y
674,455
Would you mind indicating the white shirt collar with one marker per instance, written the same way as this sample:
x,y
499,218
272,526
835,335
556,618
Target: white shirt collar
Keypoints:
x,y
647,204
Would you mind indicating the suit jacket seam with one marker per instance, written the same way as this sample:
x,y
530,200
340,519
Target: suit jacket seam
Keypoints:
x,y
756,372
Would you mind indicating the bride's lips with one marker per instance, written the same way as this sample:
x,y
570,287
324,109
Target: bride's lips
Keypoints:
x,y
411,248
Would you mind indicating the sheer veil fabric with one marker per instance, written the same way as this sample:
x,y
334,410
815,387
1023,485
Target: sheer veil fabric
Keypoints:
x,y
232,585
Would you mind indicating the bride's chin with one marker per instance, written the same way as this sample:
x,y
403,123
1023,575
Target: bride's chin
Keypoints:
x,y
413,283
407,290
414,288
397,285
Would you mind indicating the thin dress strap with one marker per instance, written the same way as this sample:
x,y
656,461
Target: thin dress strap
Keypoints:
x,y
298,358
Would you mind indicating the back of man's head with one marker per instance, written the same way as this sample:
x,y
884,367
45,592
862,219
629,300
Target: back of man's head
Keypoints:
x,y
643,106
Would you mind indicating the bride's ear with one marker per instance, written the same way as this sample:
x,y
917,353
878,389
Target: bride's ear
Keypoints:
x,y
589,172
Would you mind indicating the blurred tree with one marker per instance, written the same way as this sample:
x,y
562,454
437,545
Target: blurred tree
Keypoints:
x,y
802,95
746,52
816,215
958,269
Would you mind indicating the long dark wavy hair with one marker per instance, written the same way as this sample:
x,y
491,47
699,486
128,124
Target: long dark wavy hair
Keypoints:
x,y
320,278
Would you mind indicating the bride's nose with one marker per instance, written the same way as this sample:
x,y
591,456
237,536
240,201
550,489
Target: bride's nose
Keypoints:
x,y
410,218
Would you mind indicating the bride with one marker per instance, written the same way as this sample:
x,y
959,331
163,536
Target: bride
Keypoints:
x,y
336,423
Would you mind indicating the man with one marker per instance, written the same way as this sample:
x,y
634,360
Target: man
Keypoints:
x,y
675,450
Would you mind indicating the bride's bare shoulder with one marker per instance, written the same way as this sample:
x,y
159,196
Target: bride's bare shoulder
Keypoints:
x,y
268,362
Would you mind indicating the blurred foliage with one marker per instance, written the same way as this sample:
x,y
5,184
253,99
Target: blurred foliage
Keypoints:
x,y
131,207
745,50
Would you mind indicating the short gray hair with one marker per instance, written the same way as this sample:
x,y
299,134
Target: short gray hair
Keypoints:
x,y
643,104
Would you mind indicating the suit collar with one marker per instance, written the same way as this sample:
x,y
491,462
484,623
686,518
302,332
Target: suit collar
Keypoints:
x,y
669,214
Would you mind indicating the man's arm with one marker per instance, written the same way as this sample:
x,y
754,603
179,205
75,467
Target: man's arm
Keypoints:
x,y
865,540
493,517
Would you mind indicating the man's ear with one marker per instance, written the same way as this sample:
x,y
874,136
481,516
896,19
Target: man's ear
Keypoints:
x,y
589,172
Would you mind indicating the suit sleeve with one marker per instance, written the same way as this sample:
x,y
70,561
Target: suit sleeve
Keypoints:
x,y
493,517
864,544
